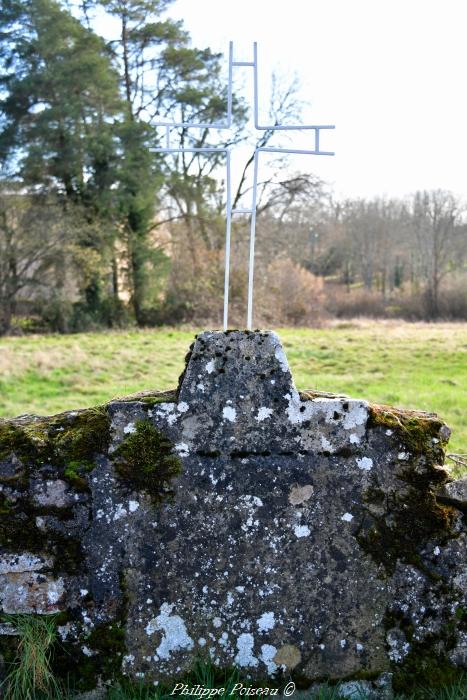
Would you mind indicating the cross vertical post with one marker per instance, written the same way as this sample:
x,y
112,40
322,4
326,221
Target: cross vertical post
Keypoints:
x,y
317,128
228,226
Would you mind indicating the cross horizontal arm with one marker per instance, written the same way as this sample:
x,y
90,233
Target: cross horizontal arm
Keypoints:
x,y
295,150
196,125
189,150
292,127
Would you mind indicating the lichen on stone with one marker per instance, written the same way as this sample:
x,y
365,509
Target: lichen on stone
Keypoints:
x,y
270,521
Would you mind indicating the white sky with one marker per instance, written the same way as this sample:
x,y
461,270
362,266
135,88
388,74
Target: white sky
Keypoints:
x,y
390,74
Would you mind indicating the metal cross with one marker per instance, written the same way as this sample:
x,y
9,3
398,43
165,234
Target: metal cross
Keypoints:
x,y
252,211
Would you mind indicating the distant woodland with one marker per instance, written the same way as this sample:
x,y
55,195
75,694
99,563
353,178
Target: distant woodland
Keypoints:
x,y
99,231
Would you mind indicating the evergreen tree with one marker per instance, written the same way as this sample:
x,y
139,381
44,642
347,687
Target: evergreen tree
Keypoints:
x,y
78,119
59,98
60,103
162,77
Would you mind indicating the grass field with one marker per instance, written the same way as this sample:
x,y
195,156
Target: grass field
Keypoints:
x,y
422,366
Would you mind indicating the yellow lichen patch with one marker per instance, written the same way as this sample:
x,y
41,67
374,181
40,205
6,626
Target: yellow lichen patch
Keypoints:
x,y
300,494
288,656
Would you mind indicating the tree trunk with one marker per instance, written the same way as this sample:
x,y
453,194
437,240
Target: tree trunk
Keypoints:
x,y
6,314
115,278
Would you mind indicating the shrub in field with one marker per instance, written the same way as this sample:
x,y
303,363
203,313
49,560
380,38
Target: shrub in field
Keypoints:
x,y
344,303
290,295
454,300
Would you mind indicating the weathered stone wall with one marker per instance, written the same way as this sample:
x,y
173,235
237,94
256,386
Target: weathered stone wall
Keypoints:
x,y
238,519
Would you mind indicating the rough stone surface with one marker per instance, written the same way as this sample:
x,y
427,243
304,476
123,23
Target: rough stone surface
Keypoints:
x,y
52,492
301,533
455,493
26,587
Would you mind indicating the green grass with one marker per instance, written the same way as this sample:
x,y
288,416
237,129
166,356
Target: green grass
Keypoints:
x,y
421,366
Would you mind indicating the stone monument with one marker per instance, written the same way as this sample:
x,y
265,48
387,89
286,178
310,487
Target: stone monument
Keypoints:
x,y
287,534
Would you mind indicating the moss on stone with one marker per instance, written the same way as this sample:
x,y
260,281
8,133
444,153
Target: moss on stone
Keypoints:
x,y
422,667
18,529
6,505
19,532
107,640
425,671
151,398
75,472
83,672
411,515
15,444
79,440
415,516
427,664
145,460
167,397
58,440
415,429
67,443
68,554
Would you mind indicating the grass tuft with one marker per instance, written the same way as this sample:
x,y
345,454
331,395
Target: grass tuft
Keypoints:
x,y
30,676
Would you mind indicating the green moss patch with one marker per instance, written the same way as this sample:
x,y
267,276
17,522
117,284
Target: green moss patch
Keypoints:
x,y
151,398
83,671
423,667
108,641
415,429
146,461
84,437
67,443
414,517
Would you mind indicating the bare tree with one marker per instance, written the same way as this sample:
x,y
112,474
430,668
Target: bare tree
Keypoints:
x,y
436,219
284,106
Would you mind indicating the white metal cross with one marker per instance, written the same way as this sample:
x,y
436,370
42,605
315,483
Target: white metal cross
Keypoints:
x,y
317,128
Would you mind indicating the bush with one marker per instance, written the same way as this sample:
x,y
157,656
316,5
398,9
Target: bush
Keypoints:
x,y
344,303
28,325
453,301
290,295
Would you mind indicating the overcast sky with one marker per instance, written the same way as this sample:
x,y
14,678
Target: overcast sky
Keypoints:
x,y
390,74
